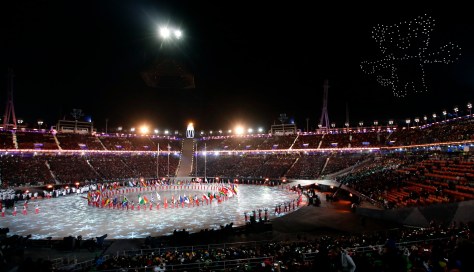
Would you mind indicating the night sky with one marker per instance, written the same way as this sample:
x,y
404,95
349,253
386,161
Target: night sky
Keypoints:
x,y
251,62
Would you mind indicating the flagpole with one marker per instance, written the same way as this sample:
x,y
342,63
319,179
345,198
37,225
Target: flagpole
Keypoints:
x,y
158,162
196,161
205,162
169,147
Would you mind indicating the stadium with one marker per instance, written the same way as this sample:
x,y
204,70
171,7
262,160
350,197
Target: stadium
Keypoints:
x,y
178,153
418,176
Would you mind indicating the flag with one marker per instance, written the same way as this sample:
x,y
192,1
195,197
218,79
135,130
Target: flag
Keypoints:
x,y
234,189
205,197
234,186
186,199
145,199
124,201
158,197
141,200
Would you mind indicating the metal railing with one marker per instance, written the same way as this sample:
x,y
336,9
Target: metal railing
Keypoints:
x,y
248,264
188,248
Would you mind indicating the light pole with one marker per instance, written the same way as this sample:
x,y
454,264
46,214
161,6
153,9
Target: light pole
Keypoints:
x,y
434,117
40,123
417,120
307,124
469,107
456,109
444,114
408,121
106,122
19,121
196,170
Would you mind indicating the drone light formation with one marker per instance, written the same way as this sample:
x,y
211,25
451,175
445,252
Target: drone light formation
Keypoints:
x,y
405,51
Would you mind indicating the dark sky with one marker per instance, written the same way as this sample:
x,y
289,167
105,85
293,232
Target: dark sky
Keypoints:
x,y
251,61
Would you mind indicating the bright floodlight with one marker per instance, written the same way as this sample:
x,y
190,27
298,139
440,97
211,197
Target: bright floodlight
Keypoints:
x,y
165,32
239,130
170,33
144,129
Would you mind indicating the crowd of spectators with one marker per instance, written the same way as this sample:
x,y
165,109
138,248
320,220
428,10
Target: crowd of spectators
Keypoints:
x,y
308,166
444,248
455,129
76,141
397,180
42,169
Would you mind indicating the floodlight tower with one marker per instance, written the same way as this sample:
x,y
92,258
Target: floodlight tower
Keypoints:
x,y
324,122
9,109
168,71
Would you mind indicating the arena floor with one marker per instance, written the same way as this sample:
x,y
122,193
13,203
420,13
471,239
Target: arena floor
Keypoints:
x,y
72,216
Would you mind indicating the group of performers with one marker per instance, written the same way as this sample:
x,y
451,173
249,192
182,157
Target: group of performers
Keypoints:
x,y
117,197
15,210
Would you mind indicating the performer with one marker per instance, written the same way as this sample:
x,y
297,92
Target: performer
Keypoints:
x,y
24,212
133,205
3,212
14,211
37,208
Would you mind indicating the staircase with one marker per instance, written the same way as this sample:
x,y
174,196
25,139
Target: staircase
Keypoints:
x,y
186,162
51,172
99,176
57,142
101,143
15,141
324,167
296,139
321,142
